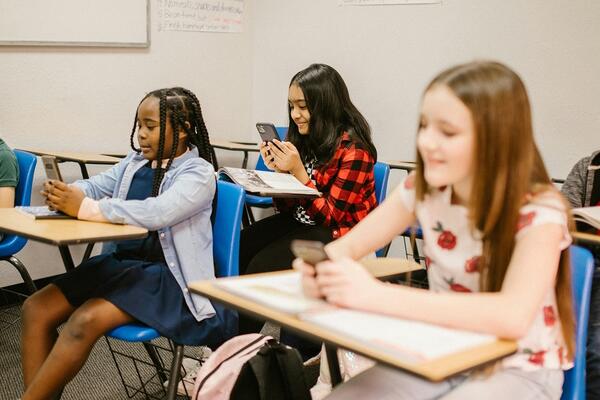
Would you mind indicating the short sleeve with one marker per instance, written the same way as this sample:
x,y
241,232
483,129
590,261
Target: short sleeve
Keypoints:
x,y
9,170
544,209
407,193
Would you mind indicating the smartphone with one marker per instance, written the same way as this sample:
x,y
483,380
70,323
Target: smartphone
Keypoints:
x,y
51,168
312,252
267,132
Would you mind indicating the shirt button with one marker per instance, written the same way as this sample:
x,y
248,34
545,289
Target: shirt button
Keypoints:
x,y
186,290
172,264
162,235
335,233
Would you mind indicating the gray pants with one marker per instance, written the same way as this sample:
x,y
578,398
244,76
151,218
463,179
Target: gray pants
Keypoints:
x,y
384,383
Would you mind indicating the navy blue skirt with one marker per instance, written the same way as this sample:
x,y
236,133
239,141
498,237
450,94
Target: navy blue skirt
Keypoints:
x,y
148,292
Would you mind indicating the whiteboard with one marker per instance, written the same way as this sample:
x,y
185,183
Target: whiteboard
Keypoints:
x,y
106,23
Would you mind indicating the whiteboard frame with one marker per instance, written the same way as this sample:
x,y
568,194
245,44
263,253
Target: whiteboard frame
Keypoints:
x,y
51,43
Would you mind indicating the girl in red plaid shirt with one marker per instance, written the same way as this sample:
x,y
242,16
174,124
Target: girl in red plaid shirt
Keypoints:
x,y
329,148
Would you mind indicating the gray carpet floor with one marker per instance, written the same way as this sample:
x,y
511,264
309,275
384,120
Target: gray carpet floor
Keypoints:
x,y
99,378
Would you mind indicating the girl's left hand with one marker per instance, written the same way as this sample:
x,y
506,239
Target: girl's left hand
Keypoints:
x,y
346,283
286,156
63,197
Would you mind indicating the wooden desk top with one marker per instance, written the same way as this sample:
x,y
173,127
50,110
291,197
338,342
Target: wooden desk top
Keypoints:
x,y
405,165
585,237
231,145
434,370
65,231
86,158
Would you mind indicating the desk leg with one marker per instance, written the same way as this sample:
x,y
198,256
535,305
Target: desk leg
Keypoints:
x,y
84,172
245,161
66,257
334,365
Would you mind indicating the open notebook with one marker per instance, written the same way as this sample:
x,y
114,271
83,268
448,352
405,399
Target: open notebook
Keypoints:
x,y
410,341
268,183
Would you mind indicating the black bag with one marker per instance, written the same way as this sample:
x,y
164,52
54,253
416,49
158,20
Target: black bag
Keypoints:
x,y
274,373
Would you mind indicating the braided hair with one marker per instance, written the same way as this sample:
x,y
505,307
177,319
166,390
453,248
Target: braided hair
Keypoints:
x,y
183,111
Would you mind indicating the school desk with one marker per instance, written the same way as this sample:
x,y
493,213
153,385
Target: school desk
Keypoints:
x,y
403,165
585,238
246,147
435,370
64,232
80,158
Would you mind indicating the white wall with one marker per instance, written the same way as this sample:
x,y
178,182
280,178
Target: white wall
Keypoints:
x,y
387,54
84,99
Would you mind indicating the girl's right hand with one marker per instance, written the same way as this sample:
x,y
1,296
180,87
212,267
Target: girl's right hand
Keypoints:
x,y
309,283
267,157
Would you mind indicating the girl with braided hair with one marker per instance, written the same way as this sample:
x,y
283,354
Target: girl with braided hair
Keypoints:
x,y
166,185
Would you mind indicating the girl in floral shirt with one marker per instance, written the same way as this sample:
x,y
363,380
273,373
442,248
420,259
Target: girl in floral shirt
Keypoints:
x,y
495,233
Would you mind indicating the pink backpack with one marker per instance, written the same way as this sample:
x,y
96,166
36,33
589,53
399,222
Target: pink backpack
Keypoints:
x,y
218,374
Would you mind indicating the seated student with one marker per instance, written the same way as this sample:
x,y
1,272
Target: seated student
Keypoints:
x,y
9,177
582,189
166,186
495,231
329,148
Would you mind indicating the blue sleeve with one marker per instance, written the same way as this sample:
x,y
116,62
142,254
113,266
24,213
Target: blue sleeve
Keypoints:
x,y
103,185
192,190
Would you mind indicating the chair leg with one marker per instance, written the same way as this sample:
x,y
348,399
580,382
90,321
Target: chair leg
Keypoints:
x,y
156,361
175,372
15,262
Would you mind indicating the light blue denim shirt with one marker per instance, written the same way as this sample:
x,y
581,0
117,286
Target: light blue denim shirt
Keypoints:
x,y
180,214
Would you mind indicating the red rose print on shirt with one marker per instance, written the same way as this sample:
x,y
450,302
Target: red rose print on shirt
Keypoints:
x,y
409,182
525,220
549,316
537,357
457,287
472,264
446,240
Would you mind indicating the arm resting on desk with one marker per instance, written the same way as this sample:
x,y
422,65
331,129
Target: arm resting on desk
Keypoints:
x,y
103,185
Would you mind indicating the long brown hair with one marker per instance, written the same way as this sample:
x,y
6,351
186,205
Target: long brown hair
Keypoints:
x,y
507,168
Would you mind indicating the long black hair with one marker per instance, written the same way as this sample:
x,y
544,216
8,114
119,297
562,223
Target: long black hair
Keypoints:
x,y
182,108
331,113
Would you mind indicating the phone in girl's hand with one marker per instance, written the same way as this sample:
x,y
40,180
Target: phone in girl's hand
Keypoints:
x,y
267,132
310,251
51,168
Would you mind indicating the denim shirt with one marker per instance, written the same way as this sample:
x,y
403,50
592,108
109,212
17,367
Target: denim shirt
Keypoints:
x,y
180,214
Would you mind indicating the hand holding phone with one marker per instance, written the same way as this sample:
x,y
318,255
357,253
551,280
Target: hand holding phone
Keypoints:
x,y
267,132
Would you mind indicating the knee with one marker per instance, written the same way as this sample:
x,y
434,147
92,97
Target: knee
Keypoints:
x,y
80,325
35,310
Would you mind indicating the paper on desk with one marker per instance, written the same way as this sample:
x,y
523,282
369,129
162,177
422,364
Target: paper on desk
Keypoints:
x,y
279,291
407,340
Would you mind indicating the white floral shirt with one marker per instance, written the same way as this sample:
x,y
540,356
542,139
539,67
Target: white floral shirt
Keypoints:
x,y
453,250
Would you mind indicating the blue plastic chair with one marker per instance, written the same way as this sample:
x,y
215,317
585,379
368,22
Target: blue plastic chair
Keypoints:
x,y
12,244
226,245
382,174
259,201
582,269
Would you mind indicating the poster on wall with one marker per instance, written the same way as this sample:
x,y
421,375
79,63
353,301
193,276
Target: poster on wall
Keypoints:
x,y
384,2
223,16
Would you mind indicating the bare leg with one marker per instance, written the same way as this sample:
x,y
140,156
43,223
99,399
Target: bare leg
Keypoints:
x,y
42,314
89,322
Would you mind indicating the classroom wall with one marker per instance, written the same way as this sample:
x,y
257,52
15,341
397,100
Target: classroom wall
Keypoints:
x,y
84,99
387,55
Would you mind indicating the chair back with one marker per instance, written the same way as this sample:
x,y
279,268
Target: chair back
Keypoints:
x,y
227,227
382,173
12,244
582,268
260,163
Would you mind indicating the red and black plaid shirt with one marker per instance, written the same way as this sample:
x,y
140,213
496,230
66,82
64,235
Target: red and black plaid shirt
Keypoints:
x,y
348,186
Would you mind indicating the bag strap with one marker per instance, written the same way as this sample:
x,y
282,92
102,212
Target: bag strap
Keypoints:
x,y
290,365
257,340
